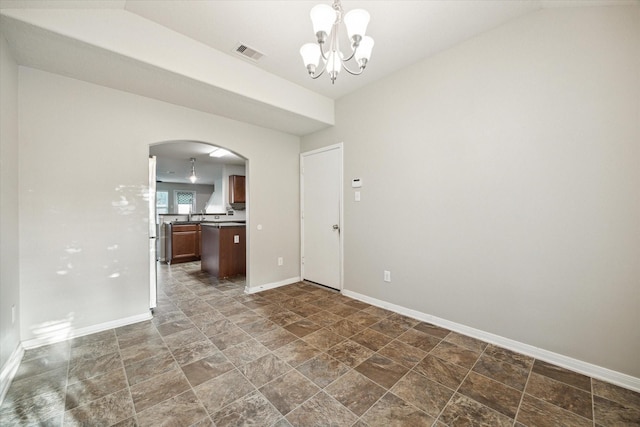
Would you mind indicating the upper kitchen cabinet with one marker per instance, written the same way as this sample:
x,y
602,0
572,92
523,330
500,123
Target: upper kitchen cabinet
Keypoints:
x,y
236,189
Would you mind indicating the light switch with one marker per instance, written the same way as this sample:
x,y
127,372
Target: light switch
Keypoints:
x,y
236,238
357,196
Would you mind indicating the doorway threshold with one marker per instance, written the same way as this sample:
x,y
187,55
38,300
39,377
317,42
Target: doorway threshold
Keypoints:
x,y
320,285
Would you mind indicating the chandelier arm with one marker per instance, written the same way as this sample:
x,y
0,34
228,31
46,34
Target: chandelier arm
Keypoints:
x,y
322,53
350,56
315,76
324,67
353,73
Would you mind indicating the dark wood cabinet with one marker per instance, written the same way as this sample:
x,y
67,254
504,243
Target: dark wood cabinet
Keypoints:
x,y
224,251
236,189
185,243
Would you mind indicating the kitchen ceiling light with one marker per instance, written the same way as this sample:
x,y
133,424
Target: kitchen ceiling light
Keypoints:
x,y
326,22
219,152
193,178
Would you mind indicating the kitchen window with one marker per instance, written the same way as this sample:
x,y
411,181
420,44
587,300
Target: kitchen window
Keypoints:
x,y
162,202
185,201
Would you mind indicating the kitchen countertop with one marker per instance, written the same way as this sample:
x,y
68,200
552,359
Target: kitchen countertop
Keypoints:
x,y
224,224
208,222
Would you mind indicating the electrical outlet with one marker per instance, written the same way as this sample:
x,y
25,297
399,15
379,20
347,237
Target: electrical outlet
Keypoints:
x,y
387,276
280,260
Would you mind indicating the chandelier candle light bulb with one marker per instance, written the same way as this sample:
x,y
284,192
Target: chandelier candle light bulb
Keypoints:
x,y
322,18
356,22
334,63
326,22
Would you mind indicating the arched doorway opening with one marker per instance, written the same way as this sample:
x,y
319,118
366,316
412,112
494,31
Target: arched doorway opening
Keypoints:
x,y
191,187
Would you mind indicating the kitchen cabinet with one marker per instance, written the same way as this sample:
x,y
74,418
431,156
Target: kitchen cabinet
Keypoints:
x,y
185,243
236,189
224,250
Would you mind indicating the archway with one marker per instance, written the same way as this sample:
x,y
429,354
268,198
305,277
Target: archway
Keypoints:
x,y
201,201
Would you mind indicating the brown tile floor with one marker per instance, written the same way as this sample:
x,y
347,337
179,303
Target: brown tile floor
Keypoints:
x,y
298,355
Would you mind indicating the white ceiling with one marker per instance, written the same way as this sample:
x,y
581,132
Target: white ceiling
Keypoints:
x,y
405,32
173,162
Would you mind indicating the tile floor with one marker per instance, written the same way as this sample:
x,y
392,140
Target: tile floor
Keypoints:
x,y
298,355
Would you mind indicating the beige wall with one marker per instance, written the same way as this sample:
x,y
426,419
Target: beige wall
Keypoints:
x,y
84,253
9,244
501,184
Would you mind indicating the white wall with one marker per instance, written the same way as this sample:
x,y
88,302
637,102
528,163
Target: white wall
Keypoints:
x,y
513,159
9,219
9,243
214,204
84,252
248,92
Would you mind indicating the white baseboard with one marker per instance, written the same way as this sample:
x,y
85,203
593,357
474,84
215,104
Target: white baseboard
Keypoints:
x,y
272,285
52,339
9,371
604,374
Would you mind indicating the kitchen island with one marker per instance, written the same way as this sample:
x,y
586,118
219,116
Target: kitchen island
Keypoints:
x,y
223,252
180,240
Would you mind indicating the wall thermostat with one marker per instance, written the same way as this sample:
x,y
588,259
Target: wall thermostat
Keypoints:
x,y
356,183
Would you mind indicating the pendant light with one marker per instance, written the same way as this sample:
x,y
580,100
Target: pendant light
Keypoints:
x,y
193,178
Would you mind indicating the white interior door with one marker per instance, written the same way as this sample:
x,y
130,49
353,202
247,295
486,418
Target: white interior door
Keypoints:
x,y
321,212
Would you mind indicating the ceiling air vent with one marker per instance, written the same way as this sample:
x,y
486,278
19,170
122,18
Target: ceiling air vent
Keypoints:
x,y
247,52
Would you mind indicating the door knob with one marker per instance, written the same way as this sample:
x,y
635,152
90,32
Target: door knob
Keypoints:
x,y
336,227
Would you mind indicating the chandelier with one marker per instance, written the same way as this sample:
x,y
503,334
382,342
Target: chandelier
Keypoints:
x,y
326,25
